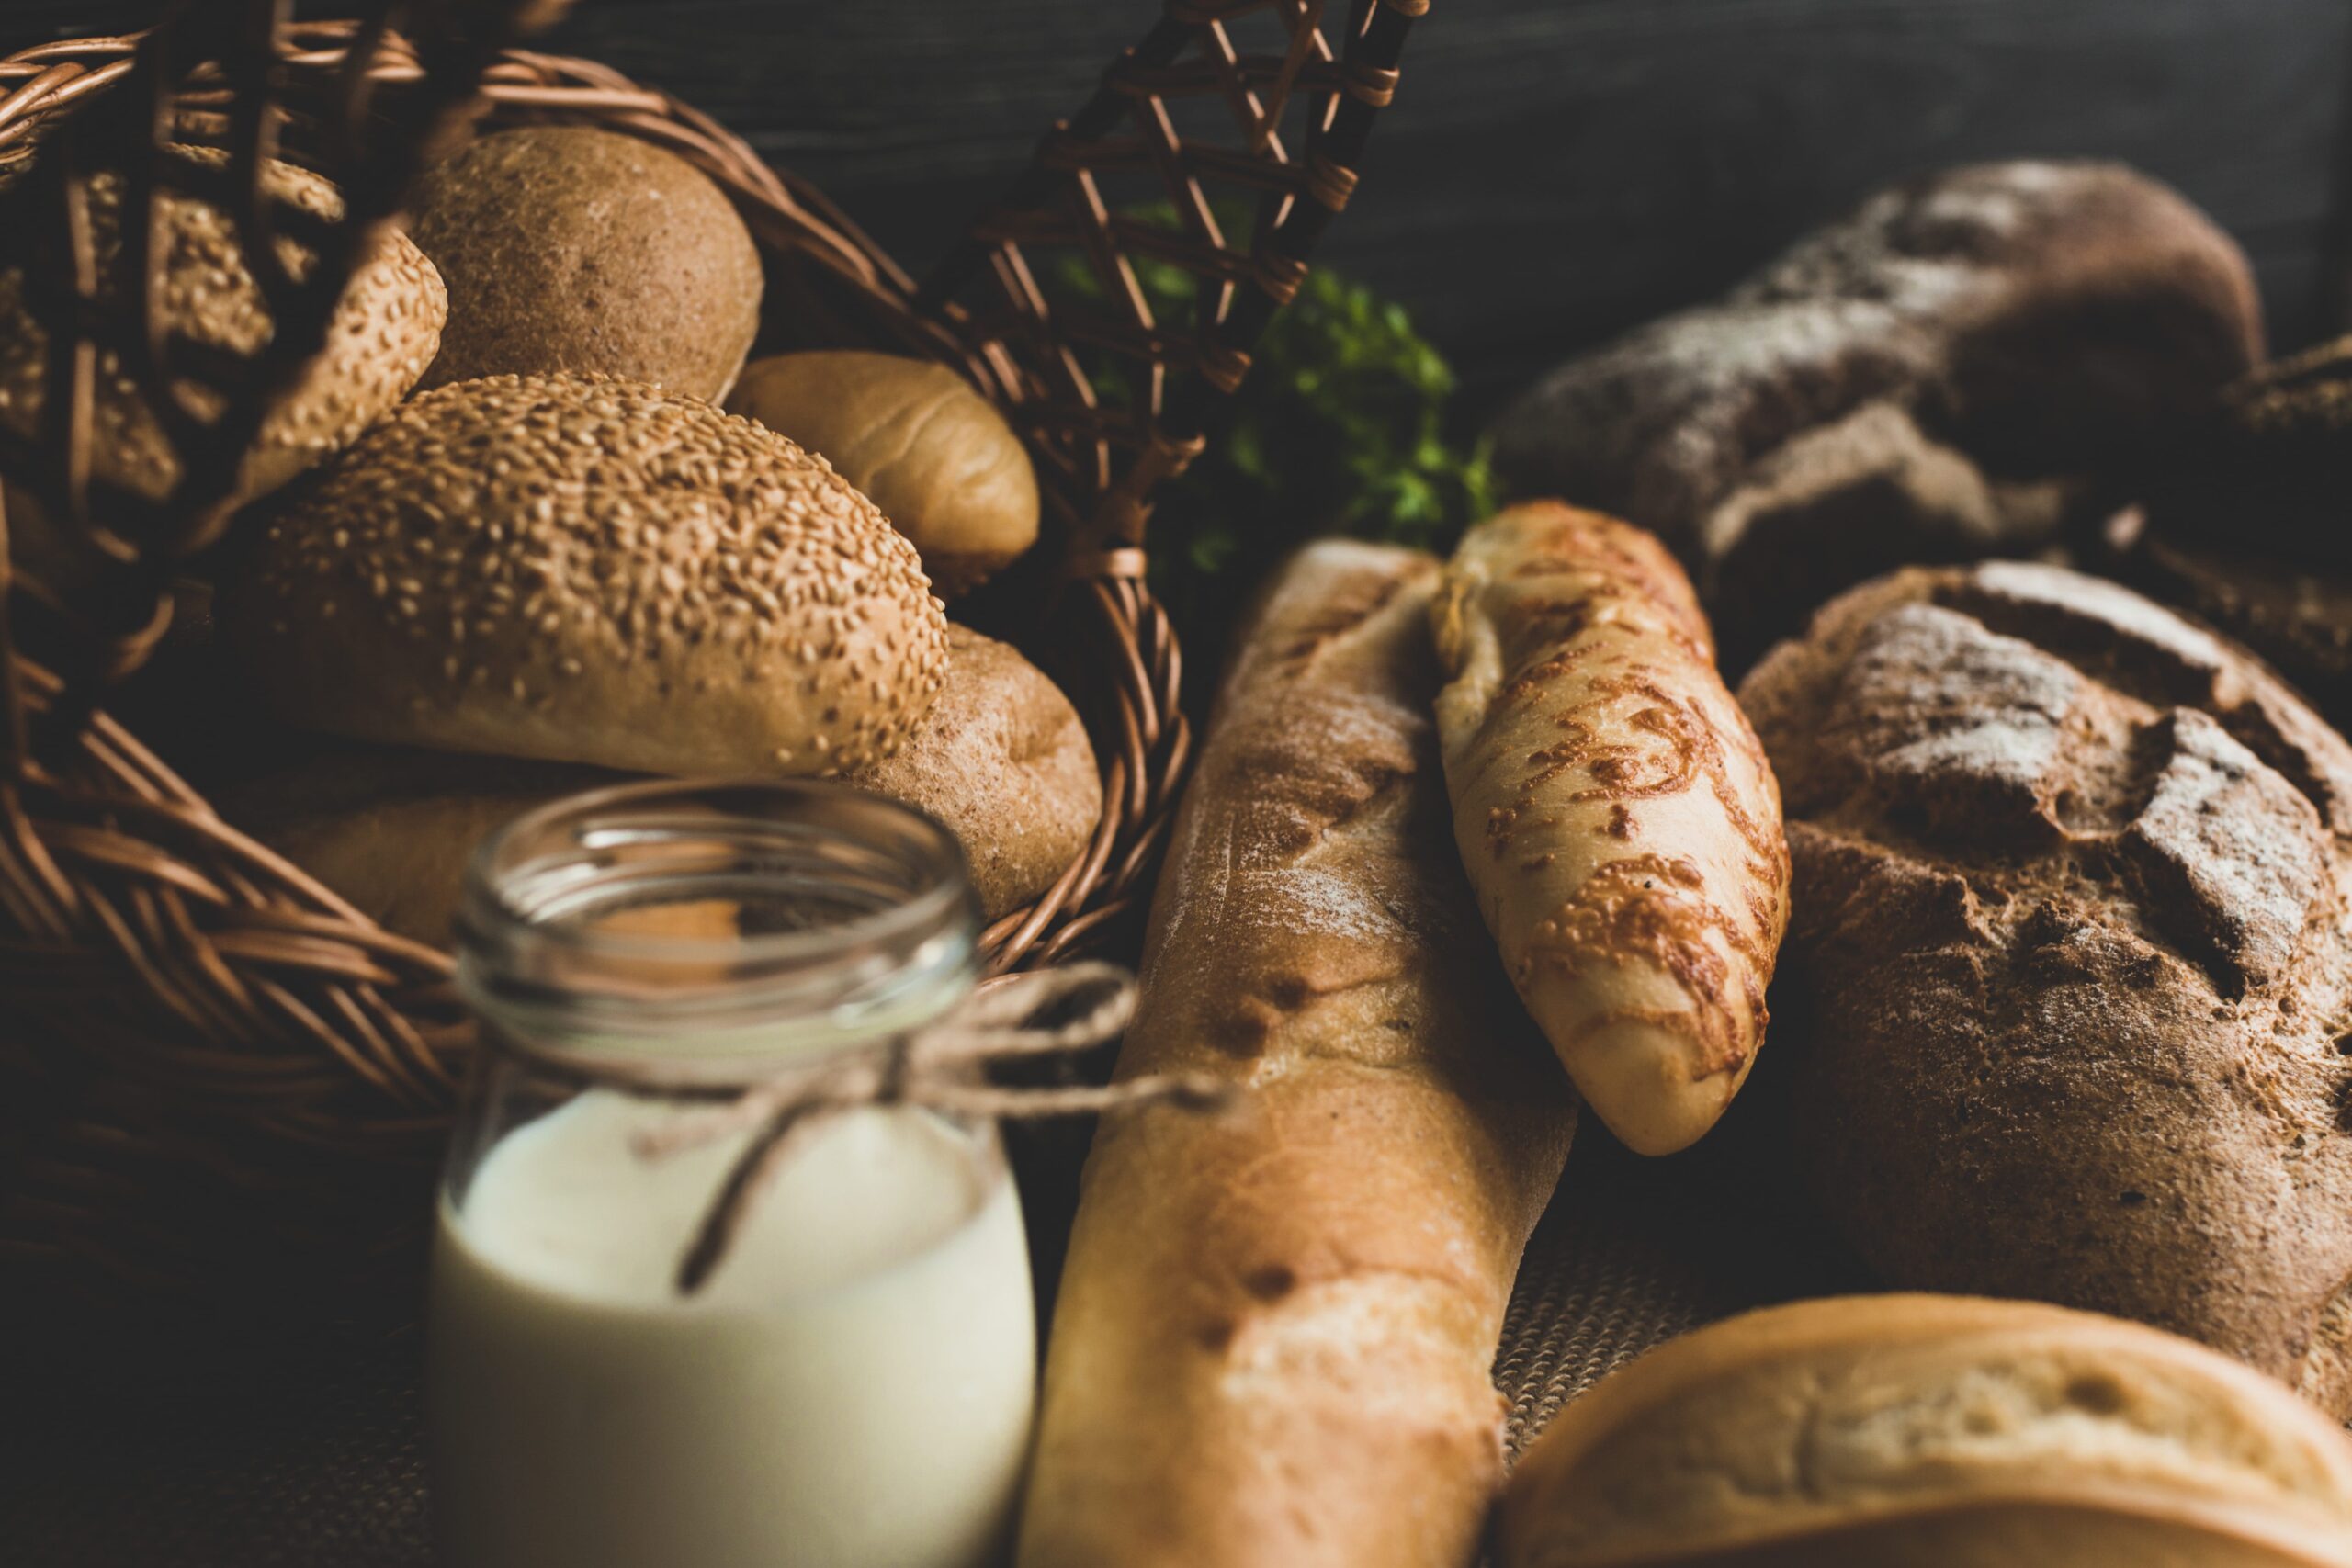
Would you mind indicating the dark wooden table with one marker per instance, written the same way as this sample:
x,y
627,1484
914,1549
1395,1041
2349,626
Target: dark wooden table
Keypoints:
x,y
1555,170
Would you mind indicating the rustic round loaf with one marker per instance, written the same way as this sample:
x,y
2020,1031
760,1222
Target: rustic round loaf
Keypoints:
x,y
2073,923
569,248
930,451
381,338
1950,371
587,569
1910,1431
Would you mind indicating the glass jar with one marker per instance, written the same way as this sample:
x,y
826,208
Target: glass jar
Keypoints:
x,y
854,1385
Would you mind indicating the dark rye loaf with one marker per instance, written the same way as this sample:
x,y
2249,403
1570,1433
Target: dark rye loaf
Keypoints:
x,y
1956,368
2073,916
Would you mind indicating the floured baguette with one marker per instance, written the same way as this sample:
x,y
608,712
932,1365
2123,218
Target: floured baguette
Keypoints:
x,y
1277,1328
1615,813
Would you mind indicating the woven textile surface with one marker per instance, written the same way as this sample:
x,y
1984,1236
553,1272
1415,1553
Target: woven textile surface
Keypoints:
x,y
141,1456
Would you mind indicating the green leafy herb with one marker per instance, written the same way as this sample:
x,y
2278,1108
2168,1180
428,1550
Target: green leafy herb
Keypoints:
x,y
1340,428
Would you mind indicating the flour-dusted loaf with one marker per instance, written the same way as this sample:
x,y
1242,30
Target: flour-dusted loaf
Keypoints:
x,y
1954,369
1274,1342
1614,811
2074,922
1910,1431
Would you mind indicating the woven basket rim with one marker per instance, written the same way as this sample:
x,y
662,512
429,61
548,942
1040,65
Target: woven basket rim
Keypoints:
x,y
358,1034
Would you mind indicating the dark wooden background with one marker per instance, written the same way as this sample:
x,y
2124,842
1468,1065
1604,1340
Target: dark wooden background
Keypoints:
x,y
1555,170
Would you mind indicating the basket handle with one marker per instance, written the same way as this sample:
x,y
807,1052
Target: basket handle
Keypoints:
x,y
1101,463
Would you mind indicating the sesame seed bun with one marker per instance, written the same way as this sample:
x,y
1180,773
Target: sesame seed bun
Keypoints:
x,y
383,335
587,569
568,248
1933,1432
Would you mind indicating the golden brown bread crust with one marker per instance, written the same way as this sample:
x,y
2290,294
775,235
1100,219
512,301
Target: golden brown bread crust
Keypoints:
x,y
1001,759
1618,819
1932,1432
569,248
1275,1329
585,569
917,440
2074,919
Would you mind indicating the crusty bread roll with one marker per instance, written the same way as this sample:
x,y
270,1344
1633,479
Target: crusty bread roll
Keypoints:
x,y
568,248
1275,1328
1932,1432
383,334
586,569
2074,934
1001,759
1614,811
924,445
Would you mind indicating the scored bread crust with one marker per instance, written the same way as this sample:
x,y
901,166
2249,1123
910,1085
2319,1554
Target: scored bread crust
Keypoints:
x,y
2074,940
587,569
1934,1431
1275,1330
1615,813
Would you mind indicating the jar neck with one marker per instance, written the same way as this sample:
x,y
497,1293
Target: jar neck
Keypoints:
x,y
724,931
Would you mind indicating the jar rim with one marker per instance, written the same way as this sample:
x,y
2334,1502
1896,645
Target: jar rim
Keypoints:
x,y
536,937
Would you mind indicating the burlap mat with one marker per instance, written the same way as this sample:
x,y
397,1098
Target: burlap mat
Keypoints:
x,y
271,1457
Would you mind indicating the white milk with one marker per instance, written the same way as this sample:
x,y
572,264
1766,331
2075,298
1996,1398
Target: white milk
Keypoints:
x,y
852,1389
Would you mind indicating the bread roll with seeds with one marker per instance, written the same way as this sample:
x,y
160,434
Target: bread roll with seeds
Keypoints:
x,y
1277,1330
587,569
383,334
1914,1431
1616,815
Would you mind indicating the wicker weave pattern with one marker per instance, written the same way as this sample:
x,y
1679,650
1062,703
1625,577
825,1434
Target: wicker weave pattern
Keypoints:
x,y
211,1066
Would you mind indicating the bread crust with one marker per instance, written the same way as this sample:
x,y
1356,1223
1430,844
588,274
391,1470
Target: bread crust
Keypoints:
x,y
917,440
568,248
2074,922
1275,1330
587,569
1936,1432
1617,817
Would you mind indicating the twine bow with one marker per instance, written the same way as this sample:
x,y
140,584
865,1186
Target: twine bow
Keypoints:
x,y
938,1067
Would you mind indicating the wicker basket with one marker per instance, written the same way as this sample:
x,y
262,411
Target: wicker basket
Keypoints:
x,y
218,1078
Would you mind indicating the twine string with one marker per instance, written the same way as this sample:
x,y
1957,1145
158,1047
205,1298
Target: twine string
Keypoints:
x,y
938,1067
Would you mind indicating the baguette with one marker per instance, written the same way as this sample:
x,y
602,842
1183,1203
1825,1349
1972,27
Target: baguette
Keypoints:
x,y
1616,815
1275,1332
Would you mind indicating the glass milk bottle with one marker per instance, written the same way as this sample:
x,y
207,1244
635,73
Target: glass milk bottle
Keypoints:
x,y
852,1387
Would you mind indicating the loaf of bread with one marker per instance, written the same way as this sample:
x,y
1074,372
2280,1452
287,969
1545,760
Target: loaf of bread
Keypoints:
x,y
1913,1431
2073,931
1614,811
919,441
1275,1329
383,334
1001,759
568,248
1954,369
586,569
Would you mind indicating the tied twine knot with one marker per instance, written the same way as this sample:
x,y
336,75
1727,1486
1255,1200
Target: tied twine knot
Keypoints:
x,y
939,1068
